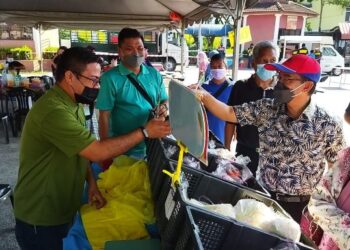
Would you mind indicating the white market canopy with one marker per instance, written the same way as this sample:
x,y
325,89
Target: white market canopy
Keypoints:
x,y
108,14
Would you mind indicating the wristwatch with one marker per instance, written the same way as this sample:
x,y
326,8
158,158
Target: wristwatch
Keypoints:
x,y
144,132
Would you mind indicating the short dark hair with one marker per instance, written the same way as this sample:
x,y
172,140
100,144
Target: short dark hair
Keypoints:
x,y
128,33
62,48
216,57
89,47
74,59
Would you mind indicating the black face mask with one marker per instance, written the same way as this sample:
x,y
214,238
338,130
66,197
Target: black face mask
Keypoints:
x,y
282,94
88,96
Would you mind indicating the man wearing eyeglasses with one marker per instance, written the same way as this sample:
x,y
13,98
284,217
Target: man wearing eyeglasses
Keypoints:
x,y
296,136
129,92
56,150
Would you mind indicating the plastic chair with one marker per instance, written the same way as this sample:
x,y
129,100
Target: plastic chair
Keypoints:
x,y
5,117
20,99
48,81
6,192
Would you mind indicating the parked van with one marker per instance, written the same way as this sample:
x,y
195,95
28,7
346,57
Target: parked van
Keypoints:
x,y
331,60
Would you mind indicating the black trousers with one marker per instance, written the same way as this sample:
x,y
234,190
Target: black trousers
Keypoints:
x,y
251,153
30,237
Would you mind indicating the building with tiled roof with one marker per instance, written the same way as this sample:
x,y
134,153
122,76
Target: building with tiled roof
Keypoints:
x,y
270,19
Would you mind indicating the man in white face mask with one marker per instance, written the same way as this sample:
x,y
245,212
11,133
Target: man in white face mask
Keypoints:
x,y
129,92
258,86
220,88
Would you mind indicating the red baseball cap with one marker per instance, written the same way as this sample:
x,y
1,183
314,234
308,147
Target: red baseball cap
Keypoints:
x,y
299,64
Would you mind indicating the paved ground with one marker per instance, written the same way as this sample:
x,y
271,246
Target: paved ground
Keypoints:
x,y
334,98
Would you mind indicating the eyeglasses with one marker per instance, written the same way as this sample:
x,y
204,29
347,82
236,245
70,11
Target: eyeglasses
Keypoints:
x,y
288,80
95,81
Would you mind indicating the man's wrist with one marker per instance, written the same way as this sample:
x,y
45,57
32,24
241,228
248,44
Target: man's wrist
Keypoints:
x,y
144,132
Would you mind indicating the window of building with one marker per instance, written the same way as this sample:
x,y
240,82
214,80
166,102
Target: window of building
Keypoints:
x,y
347,15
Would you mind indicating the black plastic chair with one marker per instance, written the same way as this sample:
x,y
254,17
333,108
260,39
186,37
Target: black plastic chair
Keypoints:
x,y
20,101
6,192
6,116
48,81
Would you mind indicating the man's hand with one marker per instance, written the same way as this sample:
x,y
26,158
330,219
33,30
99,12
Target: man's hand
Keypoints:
x,y
95,197
158,128
199,92
161,110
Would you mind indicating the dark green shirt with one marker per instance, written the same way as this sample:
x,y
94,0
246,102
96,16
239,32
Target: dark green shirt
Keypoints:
x,y
51,172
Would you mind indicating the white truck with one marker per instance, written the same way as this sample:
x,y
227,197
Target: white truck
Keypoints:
x,y
331,61
163,47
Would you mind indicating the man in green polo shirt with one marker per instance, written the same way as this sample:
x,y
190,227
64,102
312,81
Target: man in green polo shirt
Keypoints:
x,y
122,106
55,151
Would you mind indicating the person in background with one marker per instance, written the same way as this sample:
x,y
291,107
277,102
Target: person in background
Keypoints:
x,y
207,71
258,86
250,55
220,88
123,108
56,151
303,50
318,55
312,54
296,50
202,63
147,61
55,59
221,50
330,203
296,137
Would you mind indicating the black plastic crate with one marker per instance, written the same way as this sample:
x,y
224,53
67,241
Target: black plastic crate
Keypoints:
x,y
158,160
209,231
171,206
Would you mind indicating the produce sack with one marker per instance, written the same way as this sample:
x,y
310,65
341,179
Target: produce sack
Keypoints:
x,y
125,186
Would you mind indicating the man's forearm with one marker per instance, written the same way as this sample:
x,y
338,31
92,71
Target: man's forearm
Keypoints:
x,y
89,176
219,109
229,132
111,147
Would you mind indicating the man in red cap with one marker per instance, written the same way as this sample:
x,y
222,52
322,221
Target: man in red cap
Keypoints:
x,y
296,136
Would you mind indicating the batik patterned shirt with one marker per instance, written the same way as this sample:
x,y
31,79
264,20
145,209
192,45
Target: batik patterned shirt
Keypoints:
x,y
292,151
323,207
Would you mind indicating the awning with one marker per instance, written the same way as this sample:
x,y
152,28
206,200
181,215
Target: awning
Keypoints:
x,y
209,29
345,31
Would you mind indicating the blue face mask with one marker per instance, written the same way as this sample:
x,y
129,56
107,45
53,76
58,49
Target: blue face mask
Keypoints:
x,y
263,73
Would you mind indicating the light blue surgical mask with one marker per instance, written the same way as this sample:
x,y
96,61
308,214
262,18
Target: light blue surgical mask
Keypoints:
x,y
263,73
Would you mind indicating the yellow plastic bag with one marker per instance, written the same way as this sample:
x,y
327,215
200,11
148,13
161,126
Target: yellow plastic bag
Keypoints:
x,y
126,187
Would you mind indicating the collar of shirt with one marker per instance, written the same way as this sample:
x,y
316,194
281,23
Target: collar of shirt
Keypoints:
x,y
125,71
66,98
309,111
213,83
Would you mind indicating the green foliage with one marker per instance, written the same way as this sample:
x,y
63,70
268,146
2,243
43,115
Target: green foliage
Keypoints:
x,y
308,26
64,34
20,53
49,52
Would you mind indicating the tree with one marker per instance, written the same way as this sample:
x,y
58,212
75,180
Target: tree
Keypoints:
x,y
341,3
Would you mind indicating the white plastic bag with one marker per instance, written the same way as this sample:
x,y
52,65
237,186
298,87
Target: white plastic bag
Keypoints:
x,y
257,214
253,213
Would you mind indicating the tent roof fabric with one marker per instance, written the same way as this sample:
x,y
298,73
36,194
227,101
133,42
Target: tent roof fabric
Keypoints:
x,y
280,6
102,14
344,30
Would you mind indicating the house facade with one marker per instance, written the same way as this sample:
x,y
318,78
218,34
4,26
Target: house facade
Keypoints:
x,y
270,19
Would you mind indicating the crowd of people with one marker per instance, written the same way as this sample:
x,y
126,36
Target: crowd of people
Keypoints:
x,y
290,140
